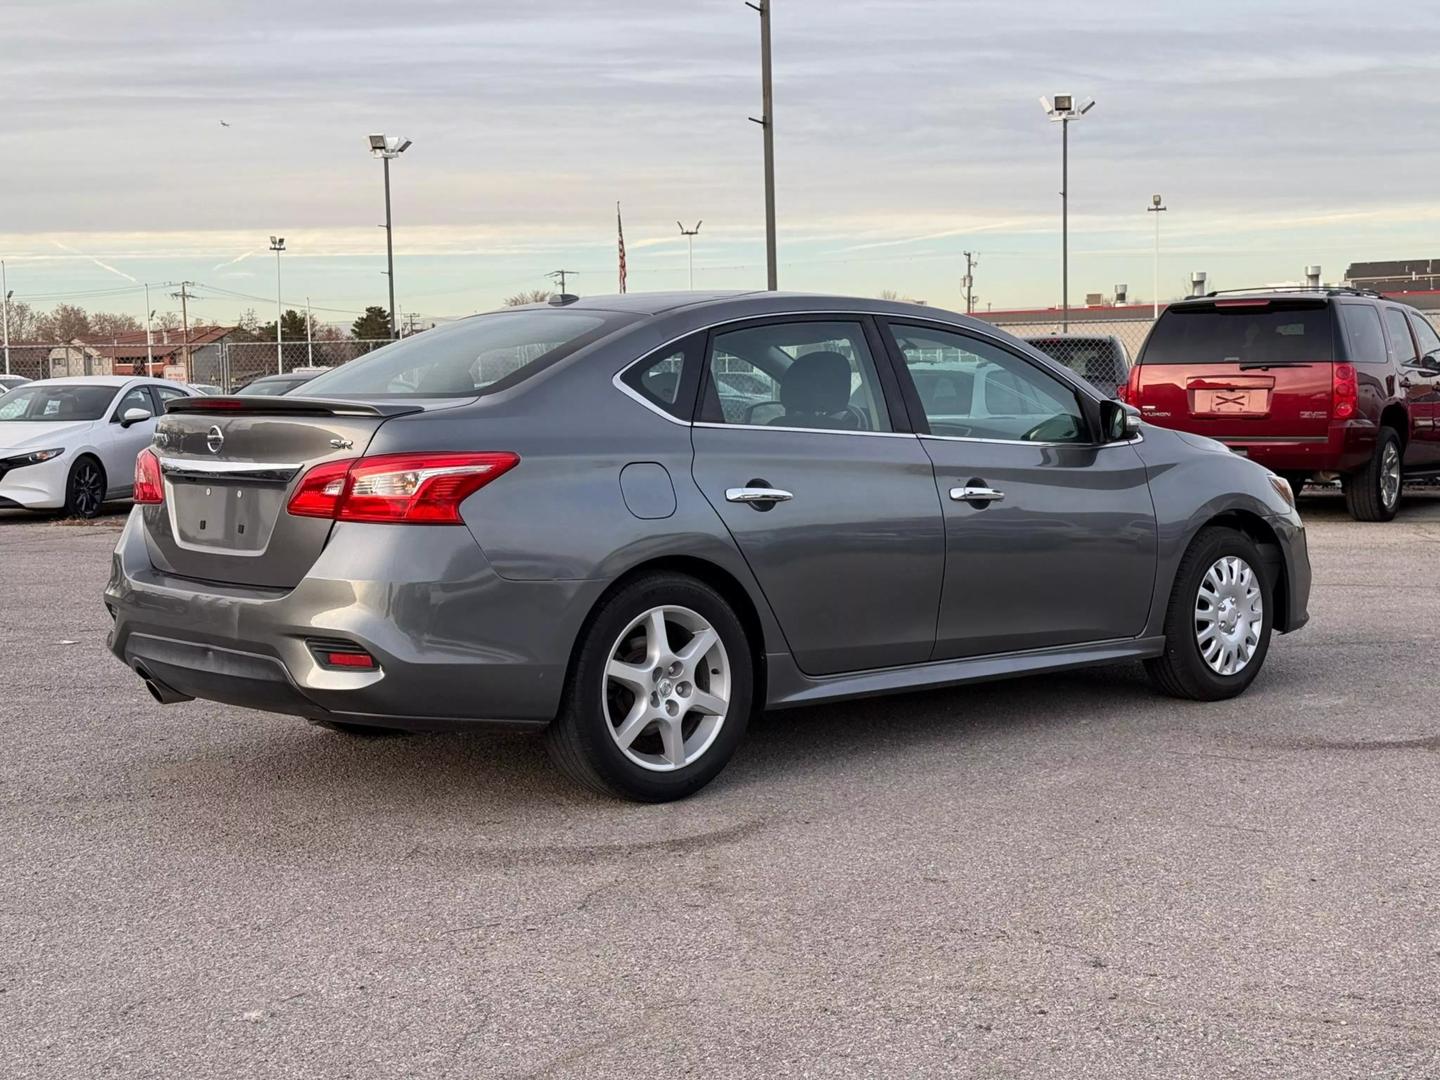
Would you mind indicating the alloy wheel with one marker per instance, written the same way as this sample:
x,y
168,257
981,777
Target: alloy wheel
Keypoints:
x,y
666,688
1390,475
1229,615
87,491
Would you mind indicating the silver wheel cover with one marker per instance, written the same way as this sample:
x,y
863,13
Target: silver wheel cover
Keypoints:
x,y
1229,615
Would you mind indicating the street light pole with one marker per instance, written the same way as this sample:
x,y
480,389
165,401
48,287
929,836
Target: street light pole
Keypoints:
x,y
1157,207
277,245
1064,109
309,335
767,124
5,313
689,235
386,147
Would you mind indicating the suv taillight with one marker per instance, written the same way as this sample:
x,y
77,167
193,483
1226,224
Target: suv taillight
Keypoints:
x,y
1343,392
149,486
1130,392
400,489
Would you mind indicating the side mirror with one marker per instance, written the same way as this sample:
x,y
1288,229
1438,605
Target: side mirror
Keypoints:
x,y
1118,421
133,416
1430,362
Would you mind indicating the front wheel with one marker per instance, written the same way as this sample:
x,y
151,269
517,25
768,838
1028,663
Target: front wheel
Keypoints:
x,y
85,489
1372,493
660,692
1217,627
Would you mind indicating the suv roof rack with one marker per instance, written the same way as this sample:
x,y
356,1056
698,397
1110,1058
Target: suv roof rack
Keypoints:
x,y
1327,290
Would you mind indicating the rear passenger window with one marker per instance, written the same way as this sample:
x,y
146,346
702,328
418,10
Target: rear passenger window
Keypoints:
x,y
1362,333
663,380
1429,339
1402,347
801,374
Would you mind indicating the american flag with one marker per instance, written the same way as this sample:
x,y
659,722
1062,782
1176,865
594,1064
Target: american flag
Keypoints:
x,y
620,232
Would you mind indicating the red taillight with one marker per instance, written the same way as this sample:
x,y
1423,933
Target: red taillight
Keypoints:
x,y
424,489
321,490
1130,392
1343,392
149,487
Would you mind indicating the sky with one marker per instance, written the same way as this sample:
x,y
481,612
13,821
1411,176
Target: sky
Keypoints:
x,y
907,132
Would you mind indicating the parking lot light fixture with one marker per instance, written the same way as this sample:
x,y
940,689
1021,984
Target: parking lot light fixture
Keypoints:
x,y
690,235
277,245
386,147
1157,207
1063,109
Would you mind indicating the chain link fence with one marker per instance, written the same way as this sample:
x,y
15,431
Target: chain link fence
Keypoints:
x,y
228,365
244,362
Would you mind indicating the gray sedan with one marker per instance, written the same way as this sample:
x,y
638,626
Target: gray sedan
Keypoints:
x,y
629,522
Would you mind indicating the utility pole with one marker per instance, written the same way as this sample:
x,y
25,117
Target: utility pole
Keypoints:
x,y
559,275
5,313
970,265
184,296
690,235
1157,207
309,335
767,124
149,336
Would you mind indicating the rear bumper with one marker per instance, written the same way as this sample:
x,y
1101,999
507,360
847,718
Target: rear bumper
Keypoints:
x,y
1347,446
457,645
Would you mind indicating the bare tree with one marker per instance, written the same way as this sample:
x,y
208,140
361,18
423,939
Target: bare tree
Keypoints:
x,y
530,296
104,325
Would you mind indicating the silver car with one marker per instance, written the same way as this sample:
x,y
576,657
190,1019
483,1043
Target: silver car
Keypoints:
x,y
629,522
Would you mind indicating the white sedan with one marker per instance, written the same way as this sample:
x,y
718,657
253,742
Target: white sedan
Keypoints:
x,y
71,443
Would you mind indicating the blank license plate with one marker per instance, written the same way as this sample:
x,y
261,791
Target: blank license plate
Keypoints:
x,y
1231,402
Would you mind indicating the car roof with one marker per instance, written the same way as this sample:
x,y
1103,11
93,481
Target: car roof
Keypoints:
x,y
106,380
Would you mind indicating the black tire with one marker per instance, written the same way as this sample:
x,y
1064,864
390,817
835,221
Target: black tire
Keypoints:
x,y
85,488
363,731
1182,671
1365,488
580,739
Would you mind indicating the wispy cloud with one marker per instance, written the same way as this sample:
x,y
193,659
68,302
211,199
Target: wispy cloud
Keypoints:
x,y
97,262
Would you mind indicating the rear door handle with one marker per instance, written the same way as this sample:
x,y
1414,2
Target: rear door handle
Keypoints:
x,y
757,495
976,494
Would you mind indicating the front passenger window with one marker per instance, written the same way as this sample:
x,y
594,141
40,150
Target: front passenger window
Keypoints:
x,y
971,389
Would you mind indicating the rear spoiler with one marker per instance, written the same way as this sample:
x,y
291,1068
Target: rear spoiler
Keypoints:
x,y
286,406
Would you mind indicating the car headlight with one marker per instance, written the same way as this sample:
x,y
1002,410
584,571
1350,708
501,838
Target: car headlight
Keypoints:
x,y
1282,488
35,457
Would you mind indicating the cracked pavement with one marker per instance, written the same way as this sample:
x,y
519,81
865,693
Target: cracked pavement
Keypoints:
x,y
1062,877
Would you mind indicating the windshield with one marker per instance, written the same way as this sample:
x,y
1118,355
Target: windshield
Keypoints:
x,y
57,402
467,357
1242,331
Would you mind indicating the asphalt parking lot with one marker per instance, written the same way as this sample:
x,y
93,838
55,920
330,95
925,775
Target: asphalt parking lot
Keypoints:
x,y
1064,877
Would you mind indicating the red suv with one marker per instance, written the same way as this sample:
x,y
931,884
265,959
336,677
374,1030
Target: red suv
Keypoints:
x,y
1309,383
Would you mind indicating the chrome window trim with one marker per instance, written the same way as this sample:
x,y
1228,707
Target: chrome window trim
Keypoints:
x,y
1137,438
806,430
1049,365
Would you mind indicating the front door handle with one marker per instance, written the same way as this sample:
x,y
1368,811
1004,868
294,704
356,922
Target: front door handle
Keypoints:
x,y
976,494
757,495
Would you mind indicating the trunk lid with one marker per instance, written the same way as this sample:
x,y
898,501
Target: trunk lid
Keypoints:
x,y
229,466
1240,369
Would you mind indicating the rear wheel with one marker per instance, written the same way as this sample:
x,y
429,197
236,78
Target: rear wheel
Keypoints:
x,y
85,489
1217,627
1372,492
660,692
